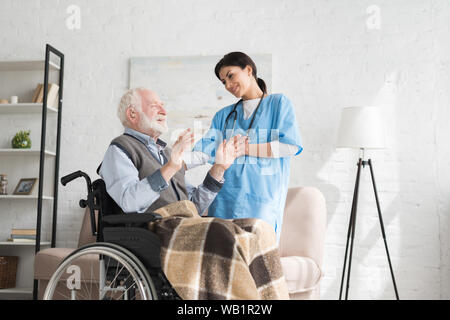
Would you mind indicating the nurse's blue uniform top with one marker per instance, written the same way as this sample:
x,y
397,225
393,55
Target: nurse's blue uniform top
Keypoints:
x,y
254,187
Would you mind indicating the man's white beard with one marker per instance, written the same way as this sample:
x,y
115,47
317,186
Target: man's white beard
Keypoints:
x,y
153,126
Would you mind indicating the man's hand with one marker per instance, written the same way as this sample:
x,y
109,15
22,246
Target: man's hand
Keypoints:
x,y
183,143
225,154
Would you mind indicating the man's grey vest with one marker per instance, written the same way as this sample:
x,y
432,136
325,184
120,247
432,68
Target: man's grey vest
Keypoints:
x,y
147,164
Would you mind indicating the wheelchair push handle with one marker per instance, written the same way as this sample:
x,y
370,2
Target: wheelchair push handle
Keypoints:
x,y
90,198
66,179
74,175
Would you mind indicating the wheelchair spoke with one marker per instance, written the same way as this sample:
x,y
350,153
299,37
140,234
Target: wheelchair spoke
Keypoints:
x,y
126,292
62,294
115,278
92,279
79,294
89,293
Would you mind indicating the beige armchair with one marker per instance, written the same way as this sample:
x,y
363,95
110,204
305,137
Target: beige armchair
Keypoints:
x,y
301,245
302,242
47,261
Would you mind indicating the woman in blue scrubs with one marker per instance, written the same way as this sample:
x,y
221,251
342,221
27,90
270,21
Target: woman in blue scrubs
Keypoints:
x,y
256,184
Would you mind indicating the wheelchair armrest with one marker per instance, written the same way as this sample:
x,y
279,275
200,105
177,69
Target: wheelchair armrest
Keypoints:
x,y
131,218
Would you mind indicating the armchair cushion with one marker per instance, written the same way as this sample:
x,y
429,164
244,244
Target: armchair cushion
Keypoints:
x,y
47,261
302,274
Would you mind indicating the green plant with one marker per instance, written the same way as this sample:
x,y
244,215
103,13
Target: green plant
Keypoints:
x,y
21,140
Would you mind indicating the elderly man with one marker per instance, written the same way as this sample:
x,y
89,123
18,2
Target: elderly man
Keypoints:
x,y
142,174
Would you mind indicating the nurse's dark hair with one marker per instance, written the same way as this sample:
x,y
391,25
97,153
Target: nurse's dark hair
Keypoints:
x,y
241,60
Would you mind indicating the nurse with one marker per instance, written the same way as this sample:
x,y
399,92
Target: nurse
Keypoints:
x,y
256,184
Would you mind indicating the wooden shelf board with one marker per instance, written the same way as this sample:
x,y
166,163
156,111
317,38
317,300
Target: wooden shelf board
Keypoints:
x,y
24,108
25,152
10,243
15,196
26,65
17,290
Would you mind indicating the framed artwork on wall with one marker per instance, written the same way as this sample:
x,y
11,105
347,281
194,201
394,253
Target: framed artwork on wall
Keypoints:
x,y
25,186
188,85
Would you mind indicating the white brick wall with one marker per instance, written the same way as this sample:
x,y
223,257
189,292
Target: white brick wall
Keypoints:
x,y
326,55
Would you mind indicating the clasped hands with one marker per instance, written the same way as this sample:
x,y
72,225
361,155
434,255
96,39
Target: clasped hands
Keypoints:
x,y
226,153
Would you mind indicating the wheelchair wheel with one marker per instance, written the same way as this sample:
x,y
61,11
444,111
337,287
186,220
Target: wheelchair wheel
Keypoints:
x,y
101,271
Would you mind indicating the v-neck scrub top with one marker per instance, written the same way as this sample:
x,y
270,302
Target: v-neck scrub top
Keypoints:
x,y
254,187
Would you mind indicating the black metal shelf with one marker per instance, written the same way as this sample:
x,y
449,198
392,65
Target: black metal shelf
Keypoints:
x,y
48,64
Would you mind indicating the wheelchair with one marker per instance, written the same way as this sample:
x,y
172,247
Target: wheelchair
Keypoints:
x,y
124,262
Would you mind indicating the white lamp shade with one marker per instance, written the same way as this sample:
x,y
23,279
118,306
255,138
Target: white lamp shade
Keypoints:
x,y
361,127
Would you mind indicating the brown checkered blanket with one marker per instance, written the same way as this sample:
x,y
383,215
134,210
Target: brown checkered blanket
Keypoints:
x,y
212,258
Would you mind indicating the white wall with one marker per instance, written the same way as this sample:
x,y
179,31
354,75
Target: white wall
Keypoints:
x,y
326,55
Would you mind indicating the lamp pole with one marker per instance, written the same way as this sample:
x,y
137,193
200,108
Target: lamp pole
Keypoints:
x,y
352,225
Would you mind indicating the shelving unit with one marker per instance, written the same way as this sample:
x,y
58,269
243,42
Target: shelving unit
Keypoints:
x,y
18,78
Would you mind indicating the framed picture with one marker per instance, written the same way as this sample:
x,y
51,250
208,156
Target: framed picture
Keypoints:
x,y
25,186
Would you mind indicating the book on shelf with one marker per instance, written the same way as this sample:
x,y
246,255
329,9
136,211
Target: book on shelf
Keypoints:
x,y
52,94
24,232
21,236
40,94
21,240
36,92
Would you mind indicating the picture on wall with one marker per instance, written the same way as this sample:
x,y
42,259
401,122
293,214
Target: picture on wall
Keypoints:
x,y
188,84
25,186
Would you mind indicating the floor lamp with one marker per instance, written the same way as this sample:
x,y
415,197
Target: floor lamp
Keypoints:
x,y
361,128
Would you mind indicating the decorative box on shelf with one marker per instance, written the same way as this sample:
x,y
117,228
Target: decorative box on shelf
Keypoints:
x,y
8,271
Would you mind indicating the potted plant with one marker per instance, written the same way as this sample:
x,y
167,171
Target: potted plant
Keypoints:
x,y
21,140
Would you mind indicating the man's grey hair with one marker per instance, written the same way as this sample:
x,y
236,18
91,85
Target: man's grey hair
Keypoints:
x,y
131,98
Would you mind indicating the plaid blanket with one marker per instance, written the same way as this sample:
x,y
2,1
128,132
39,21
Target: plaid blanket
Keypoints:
x,y
212,258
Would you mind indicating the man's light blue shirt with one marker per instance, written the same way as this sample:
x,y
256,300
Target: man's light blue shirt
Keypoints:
x,y
133,195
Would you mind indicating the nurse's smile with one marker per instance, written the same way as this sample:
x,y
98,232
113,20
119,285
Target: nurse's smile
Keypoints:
x,y
234,79
240,82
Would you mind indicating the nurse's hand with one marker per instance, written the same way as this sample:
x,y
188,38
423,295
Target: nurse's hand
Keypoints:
x,y
225,154
240,145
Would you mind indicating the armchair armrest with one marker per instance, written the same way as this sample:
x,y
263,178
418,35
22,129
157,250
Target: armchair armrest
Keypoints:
x,y
304,224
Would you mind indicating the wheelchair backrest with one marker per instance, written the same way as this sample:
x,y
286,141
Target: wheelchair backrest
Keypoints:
x,y
105,206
